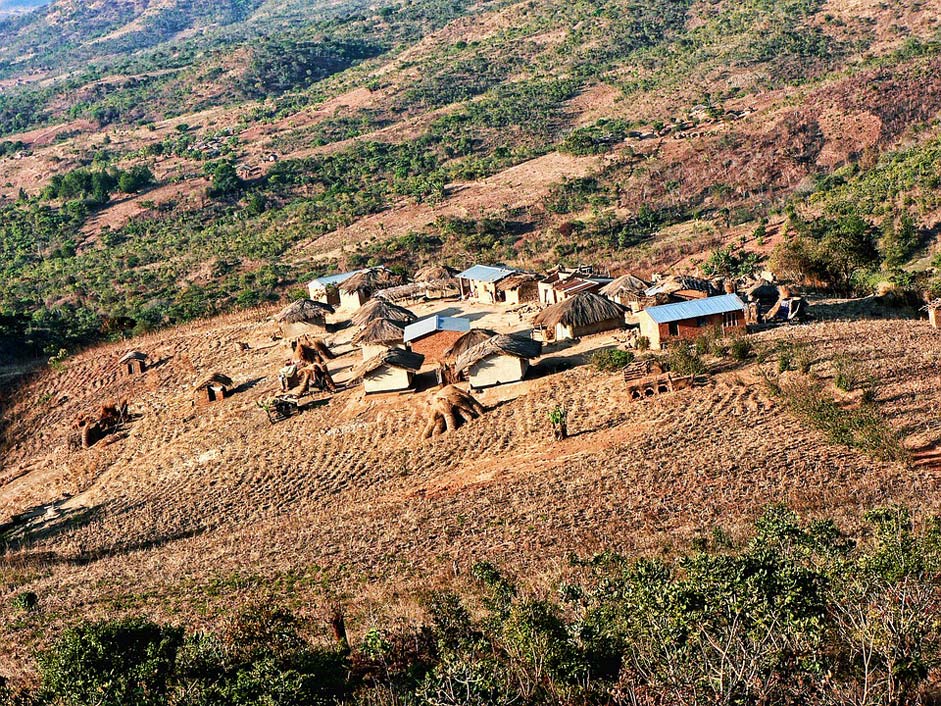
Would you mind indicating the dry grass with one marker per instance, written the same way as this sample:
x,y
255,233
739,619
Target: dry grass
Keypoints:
x,y
196,509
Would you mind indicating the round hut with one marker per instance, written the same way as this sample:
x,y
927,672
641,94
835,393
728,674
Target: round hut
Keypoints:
x,y
447,374
378,336
359,289
302,318
582,315
378,309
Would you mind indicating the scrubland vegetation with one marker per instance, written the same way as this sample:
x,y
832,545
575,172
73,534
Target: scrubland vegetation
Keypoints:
x,y
796,613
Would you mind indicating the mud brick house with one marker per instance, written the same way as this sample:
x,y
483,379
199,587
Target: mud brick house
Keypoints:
x,y
687,320
133,363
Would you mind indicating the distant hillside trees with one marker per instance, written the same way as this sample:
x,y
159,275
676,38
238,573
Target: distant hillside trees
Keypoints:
x,y
95,186
281,65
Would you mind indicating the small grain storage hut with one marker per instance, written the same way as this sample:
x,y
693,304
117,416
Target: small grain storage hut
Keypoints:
x,y
133,363
379,336
305,317
358,289
214,388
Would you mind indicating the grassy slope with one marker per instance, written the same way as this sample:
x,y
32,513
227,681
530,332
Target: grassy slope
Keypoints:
x,y
196,510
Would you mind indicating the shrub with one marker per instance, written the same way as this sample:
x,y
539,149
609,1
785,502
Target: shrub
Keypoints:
x,y
611,360
642,343
741,348
848,376
111,664
685,361
26,601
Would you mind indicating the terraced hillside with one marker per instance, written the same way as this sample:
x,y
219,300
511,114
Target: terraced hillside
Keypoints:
x,y
195,510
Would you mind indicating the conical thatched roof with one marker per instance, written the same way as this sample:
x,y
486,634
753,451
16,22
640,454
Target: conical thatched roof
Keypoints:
x,y
472,338
303,311
370,280
434,273
376,309
215,380
581,310
395,357
515,346
675,283
625,283
380,332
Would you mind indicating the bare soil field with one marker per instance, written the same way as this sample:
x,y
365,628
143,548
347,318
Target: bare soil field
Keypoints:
x,y
194,509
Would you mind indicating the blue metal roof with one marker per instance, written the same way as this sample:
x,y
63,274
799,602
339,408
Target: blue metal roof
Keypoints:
x,y
486,273
693,309
335,279
433,324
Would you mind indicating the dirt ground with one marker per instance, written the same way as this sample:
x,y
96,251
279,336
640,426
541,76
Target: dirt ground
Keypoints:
x,y
194,509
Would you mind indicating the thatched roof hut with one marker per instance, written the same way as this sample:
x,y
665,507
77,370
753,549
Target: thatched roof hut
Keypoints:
x,y
625,284
581,311
303,311
381,332
369,280
377,309
133,363
501,345
682,285
392,370
435,273
470,339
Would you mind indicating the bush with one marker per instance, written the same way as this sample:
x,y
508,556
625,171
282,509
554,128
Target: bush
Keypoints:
x,y
611,360
111,664
685,361
642,343
848,376
741,348
26,601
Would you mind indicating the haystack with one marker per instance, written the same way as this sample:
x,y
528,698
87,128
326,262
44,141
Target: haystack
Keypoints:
x,y
449,409
314,350
582,315
378,309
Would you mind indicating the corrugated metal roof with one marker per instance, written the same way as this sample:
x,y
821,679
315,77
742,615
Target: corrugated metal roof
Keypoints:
x,y
335,279
695,308
486,273
433,324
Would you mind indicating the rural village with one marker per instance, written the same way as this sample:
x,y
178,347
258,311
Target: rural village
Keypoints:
x,y
484,327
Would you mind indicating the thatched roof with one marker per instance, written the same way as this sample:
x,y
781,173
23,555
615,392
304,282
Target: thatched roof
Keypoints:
x,y
515,281
676,283
370,280
434,273
380,332
416,290
133,355
376,309
625,283
470,339
303,311
215,380
499,345
581,310
394,357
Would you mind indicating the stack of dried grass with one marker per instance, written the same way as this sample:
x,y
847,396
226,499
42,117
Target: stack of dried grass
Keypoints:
x,y
449,409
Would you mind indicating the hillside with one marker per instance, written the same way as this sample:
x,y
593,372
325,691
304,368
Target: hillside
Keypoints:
x,y
298,138
194,510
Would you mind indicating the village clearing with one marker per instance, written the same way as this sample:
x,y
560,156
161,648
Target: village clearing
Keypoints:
x,y
194,509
